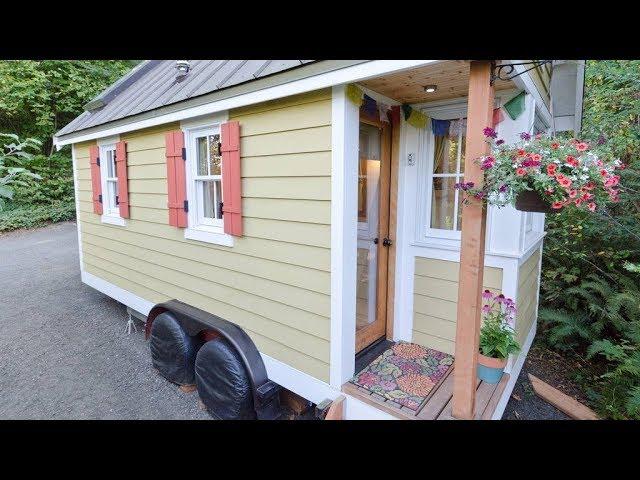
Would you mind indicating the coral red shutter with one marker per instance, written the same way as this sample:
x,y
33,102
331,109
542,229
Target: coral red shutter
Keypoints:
x,y
123,179
176,178
96,182
231,184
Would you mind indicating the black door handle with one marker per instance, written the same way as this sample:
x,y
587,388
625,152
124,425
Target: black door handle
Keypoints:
x,y
387,242
375,240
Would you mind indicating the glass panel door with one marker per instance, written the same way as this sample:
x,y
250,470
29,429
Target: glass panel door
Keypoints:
x,y
368,217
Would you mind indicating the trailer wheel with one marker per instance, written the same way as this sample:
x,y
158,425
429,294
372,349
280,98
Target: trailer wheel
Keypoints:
x,y
173,351
222,382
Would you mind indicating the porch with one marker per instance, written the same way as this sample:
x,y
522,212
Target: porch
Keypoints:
x,y
418,258
438,403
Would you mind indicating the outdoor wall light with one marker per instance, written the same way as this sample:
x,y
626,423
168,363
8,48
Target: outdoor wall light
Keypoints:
x,y
430,88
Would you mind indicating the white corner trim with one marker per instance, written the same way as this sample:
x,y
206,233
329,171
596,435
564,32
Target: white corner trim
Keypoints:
x,y
353,73
209,236
74,162
344,238
357,410
514,374
113,220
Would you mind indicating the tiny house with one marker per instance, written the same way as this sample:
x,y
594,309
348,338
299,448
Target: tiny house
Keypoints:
x,y
312,204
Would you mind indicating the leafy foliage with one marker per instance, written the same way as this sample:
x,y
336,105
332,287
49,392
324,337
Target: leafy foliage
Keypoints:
x,y
13,157
590,291
497,336
36,216
37,98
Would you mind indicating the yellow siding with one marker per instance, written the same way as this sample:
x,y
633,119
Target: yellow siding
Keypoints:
x,y
527,296
275,281
435,301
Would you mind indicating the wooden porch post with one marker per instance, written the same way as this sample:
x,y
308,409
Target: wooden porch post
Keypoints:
x,y
479,116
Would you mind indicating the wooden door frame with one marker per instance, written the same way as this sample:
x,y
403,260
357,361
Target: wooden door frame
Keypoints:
x,y
387,221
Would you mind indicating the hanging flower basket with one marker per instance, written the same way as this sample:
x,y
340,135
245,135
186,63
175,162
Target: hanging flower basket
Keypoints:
x,y
532,201
544,174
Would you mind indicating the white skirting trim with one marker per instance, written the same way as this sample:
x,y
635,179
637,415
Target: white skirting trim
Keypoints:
x,y
292,379
515,372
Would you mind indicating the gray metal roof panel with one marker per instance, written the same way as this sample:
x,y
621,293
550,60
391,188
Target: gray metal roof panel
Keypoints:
x,y
153,84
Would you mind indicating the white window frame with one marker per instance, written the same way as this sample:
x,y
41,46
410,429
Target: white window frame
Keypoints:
x,y
200,228
110,210
452,111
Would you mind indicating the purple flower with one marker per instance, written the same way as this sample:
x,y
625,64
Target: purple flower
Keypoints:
x,y
525,136
479,195
601,140
489,132
486,309
500,298
503,188
499,142
487,294
470,184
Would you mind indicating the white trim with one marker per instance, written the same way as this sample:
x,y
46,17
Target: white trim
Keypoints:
x,y
353,73
117,293
202,234
358,410
299,382
514,374
105,141
113,220
209,124
74,162
344,235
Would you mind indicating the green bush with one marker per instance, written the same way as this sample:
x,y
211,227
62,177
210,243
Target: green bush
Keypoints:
x,y
590,289
56,183
32,216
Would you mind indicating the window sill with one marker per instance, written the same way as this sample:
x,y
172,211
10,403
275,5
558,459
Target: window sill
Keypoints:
x,y
113,220
209,235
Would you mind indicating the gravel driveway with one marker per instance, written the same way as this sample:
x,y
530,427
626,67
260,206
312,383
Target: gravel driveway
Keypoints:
x,y
64,353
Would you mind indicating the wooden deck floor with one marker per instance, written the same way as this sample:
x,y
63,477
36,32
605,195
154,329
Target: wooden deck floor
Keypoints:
x,y
438,405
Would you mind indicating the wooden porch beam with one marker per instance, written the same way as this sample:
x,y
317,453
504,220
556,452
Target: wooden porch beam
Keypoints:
x,y
479,116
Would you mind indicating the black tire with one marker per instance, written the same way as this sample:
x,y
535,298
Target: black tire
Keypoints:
x,y
222,382
173,352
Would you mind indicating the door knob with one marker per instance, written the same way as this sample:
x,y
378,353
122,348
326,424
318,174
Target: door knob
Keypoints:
x,y
387,242
375,240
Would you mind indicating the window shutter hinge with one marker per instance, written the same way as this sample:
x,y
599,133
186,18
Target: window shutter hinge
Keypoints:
x,y
100,198
98,161
184,153
186,205
220,212
117,200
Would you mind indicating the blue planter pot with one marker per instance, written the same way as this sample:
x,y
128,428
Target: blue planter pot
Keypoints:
x,y
490,370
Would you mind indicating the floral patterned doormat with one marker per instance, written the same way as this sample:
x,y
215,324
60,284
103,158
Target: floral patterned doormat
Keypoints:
x,y
406,373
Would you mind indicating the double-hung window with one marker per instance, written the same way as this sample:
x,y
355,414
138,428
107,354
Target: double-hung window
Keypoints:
x,y
447,169
109,176
204,185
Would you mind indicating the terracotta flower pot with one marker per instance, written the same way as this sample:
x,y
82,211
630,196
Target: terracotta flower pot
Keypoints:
x,y
490,369
531,201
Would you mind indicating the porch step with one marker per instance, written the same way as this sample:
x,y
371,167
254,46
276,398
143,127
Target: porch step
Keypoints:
x,y
438,405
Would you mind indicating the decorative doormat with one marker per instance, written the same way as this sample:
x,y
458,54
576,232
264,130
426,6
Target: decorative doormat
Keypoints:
x,y
406,373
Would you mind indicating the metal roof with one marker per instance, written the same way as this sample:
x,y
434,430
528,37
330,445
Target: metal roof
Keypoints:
x,y
153,84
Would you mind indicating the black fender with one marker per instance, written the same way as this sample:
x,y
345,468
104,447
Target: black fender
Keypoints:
x,y
195,321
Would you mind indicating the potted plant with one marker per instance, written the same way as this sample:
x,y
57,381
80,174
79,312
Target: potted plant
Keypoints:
x,y
497,340
544,174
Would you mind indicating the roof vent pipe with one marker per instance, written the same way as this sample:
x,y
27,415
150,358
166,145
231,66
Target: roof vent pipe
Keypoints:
x,y
182,67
